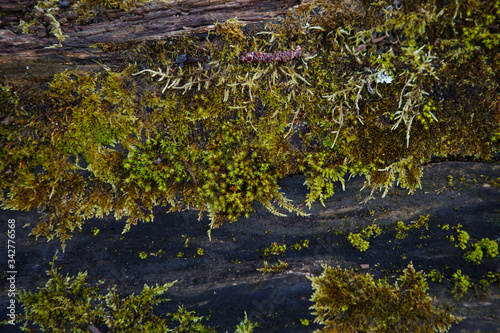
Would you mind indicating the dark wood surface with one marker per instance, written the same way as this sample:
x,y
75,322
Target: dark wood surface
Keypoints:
x,y
153,22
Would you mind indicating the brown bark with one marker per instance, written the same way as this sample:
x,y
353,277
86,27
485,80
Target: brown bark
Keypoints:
x,y
155,22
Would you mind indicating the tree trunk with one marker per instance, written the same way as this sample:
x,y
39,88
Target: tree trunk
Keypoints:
x,y
31,54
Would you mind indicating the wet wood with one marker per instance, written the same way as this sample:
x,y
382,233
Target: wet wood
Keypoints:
x,y
155,22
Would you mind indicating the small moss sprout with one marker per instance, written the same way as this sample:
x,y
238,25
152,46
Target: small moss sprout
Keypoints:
x,y
276,268
274,249
360,240
460,284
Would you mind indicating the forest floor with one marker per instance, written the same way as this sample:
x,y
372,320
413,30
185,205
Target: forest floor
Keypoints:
x,y
221,281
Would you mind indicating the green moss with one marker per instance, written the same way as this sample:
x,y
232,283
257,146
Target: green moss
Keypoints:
x,y
494,278
299,245
490,247
401,228
274,249
462,238
475,256
348,302
82,11
188,321
95,231
279,267
360,240
217,134
483,284
70,303
245,326
460,284
435,276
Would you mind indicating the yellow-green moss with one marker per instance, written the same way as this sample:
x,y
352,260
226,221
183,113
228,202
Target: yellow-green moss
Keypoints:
x,y
276,268
360,240
460,284
349,302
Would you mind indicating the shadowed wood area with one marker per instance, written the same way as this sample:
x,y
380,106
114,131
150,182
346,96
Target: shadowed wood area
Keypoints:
x,y
148,22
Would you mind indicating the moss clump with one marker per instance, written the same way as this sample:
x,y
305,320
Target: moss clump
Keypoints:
x,y
299,245
245,326
476,256
460,284
274,249
276,268
60,155
350,302
489,246
401,228
494,277
435,276
360,240
81,11
462,237
71,304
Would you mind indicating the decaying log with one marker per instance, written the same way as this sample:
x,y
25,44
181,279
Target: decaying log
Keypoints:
x,y
150,22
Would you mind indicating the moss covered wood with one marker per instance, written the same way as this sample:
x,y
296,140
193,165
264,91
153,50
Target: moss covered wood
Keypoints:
x,y
185,124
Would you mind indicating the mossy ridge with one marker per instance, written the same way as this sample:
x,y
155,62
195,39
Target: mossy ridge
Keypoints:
x,y
223,132
349,302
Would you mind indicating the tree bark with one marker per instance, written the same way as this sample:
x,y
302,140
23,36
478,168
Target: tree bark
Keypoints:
x,y
20,53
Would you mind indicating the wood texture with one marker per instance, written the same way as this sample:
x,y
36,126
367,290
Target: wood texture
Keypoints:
x,y
155,22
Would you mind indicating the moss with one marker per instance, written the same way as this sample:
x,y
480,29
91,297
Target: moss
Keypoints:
x,y
274,249
75,305
82,11
299,245
368,97
460,284
490,247
462,238
189,321
494,277
279,267
475,256
401,228
349,302
245,326
360,240
435,276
